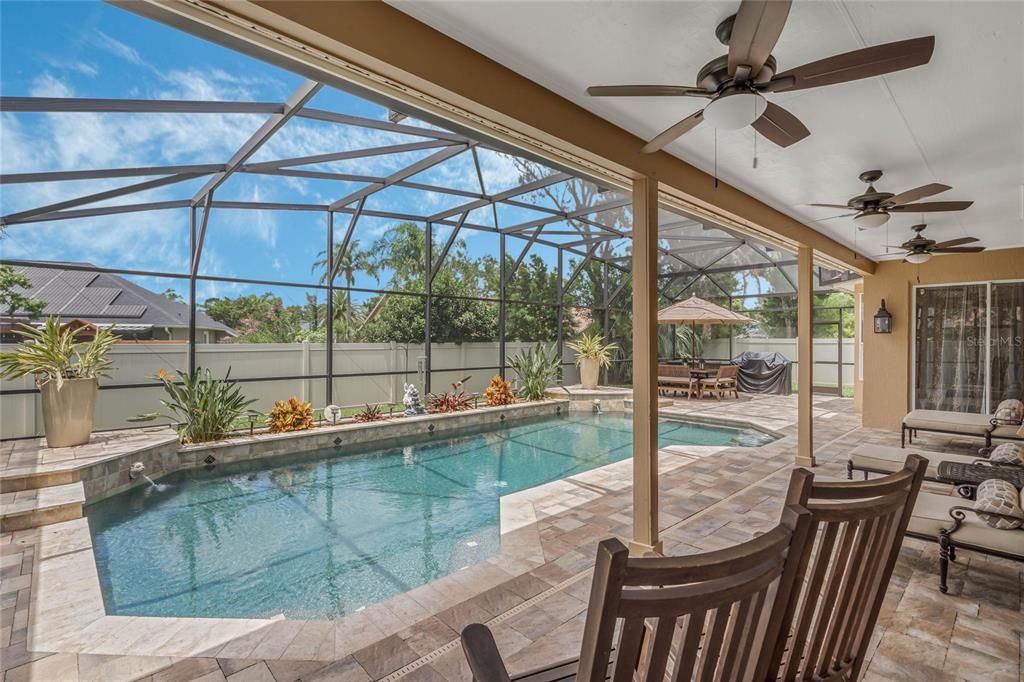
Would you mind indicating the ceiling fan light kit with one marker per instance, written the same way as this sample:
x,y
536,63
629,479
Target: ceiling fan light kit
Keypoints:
x,y
734,82
869,220
735,110
918,257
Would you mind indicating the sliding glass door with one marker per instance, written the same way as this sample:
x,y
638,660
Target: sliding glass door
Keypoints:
x,y
968,352
1007,341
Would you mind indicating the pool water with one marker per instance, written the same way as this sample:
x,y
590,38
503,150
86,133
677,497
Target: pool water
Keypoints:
x,y
325,533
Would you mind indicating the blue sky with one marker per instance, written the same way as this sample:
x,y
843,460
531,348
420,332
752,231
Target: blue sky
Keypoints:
x,y
90,49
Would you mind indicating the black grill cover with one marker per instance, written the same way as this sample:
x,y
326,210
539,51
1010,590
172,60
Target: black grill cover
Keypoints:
x,y
762,372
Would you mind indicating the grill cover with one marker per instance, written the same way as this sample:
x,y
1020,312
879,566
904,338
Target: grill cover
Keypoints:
x,y
763,372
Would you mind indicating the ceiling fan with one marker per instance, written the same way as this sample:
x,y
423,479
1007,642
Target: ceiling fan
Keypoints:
x,y
734,82
919,249
872,208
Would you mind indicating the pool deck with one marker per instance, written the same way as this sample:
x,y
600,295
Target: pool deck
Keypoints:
x,y
533,594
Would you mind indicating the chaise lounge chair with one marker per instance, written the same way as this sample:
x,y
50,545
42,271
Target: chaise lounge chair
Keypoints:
x,y
885,459
955,523
1004,424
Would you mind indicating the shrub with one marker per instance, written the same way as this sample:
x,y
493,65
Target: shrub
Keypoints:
x,y
290,415
455,400
537,369
54,353
205,408
499,392
370,413
592,347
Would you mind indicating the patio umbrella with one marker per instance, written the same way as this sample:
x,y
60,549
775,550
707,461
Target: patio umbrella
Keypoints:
x,y
696,310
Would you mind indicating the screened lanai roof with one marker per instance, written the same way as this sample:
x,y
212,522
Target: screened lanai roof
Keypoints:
x,y
206,172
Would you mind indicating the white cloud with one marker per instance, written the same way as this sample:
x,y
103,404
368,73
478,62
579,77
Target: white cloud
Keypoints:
x,y
117,48
84,68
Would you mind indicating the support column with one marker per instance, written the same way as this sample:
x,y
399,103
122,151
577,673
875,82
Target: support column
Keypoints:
x,y
192,292
645,365
805,356
329,312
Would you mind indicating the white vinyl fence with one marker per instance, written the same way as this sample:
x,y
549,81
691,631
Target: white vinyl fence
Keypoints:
x,y
825,350
21,415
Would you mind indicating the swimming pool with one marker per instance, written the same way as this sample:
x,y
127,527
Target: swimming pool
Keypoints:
x,y
328,532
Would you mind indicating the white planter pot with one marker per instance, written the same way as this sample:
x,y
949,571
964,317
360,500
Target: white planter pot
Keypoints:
x,y
68,412
589,373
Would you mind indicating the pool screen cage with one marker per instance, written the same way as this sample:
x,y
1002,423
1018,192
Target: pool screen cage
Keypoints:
x,y
538,259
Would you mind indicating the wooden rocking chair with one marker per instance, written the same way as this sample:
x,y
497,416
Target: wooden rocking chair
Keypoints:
x,y
797,603
859,527
720,604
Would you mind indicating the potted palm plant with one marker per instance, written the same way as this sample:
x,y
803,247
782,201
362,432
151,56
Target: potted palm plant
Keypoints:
x,y
592,355
67,371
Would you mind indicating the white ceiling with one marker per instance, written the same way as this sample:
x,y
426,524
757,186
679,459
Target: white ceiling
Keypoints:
x,y
958,120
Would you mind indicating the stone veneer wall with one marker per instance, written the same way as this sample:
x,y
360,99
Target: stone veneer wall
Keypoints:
x,y
110,477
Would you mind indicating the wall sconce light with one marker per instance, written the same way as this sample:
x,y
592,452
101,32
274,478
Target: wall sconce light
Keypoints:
x,y
883,320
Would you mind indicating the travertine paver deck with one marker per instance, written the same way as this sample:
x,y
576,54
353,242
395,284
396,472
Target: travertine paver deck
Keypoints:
x,y
710,498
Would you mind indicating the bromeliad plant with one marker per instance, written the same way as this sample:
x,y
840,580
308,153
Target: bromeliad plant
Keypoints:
x,y
499,392
203,407
290,415
370,413
536,368
455,400
55,353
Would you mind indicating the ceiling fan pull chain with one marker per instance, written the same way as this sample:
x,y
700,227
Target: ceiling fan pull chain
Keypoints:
x,y
755,149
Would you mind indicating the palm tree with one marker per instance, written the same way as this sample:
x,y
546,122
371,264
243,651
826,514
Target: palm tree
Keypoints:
x,y
346,265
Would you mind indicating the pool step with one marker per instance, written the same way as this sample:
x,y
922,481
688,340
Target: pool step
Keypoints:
x,y
40,507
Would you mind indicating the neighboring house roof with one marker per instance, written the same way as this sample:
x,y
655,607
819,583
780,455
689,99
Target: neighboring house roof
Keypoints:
x,y
103,298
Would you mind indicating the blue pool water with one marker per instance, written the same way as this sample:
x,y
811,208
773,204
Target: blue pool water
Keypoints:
x,y
327,532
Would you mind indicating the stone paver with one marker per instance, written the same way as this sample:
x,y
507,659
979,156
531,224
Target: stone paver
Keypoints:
x,y
710,498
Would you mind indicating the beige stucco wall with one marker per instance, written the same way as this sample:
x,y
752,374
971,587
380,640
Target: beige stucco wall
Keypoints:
x,y
887,357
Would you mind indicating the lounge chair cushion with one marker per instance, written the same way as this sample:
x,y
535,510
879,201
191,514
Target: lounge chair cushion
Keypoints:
x,y
997,495
1008,453
1009,413
940,420
1009,431
888,459
931,516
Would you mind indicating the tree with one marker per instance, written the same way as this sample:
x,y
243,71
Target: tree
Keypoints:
x,y
452,320
346,266
12,300
172,295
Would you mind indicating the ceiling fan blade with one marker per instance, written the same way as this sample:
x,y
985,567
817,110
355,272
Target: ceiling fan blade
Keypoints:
x,y
851,66
647,91
829,205
674,132
932,206
781,127
755,31
960,249
956,242
915,194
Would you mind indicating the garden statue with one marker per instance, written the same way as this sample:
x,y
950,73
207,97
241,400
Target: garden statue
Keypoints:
x,y
412,401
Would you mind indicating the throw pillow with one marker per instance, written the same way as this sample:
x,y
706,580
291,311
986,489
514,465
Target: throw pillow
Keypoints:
x,y
1010,412
997,495
1008,453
